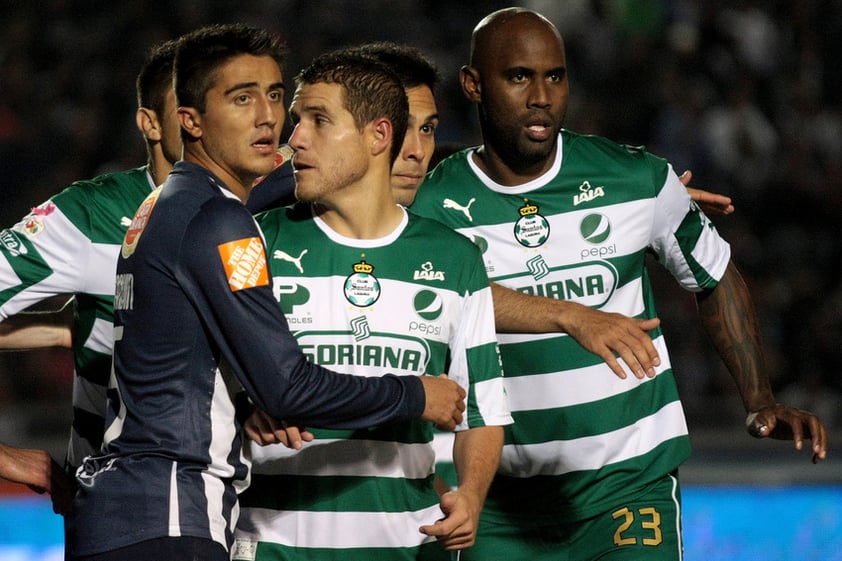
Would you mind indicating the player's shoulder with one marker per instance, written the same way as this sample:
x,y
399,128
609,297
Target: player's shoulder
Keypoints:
x,y
455,165
436,234
109,185
121,191
277,217
597,145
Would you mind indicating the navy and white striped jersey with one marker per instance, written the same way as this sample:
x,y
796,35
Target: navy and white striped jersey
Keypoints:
x,y
196,322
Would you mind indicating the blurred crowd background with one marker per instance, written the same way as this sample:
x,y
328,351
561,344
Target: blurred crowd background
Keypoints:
x,y
745,93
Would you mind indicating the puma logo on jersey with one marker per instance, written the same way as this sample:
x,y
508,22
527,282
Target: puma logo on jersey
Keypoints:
x,y
125,221
588,193
450,203
283,256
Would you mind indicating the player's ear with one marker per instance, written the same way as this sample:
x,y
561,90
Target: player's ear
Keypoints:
x,y
471,87
381,135
148,124
190,120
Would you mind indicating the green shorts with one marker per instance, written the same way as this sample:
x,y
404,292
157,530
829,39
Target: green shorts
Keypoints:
x,y
647,527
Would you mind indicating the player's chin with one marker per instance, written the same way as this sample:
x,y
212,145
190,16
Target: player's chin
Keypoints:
x,y
305,195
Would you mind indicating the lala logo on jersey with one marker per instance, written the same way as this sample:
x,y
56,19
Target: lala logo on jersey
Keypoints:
x,y
141,218
245,263
428,273
34,223
531,229
588,193
361,287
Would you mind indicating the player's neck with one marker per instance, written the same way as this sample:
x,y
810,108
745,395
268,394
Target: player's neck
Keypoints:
x,y
239,186
509,173
361,211
159,166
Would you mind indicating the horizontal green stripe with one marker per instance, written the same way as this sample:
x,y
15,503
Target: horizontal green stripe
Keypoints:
x,y
484,362
428,552
596,417
339,493
579,495
543,356
415,431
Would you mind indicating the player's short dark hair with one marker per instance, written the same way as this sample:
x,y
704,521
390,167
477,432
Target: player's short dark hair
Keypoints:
x,y
201,52
410,64
372,90
155,77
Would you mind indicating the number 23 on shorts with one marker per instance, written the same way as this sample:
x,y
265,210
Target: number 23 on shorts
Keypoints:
x,y
648,519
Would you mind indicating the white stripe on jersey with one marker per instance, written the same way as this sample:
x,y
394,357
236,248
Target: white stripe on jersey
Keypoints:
x,y
101,338
224,422
339,529
359,458
582,385
443,446
173,522
214,491
594,452
493,402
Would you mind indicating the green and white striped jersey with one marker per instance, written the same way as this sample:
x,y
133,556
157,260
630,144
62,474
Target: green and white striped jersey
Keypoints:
x,y
582,437
69,245
414,302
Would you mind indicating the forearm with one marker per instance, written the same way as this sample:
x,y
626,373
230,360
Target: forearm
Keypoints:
x,y
476,455
17,333
728,317
46,324
516,312
21,465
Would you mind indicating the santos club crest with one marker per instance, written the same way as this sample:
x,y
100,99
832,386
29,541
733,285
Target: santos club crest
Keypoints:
x,y
531,229
361,287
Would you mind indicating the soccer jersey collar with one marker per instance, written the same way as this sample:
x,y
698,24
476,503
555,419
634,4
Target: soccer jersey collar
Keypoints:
x,y
536,183
354,242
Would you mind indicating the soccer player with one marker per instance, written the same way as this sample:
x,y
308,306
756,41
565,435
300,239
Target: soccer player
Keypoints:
x,y
590,467
196,323
369,288
69,245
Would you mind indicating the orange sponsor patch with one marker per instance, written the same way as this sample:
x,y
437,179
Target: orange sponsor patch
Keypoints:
x,y
141,217
245,263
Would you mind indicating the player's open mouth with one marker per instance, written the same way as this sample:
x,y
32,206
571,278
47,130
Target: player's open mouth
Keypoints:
x,y
300,166
539,131
265,145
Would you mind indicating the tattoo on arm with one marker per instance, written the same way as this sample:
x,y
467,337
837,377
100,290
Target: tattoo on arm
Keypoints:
x,y
729,319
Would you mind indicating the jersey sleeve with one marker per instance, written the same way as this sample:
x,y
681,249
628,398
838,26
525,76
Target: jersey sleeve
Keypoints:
x,y
685,240
225,264
475,356
41,256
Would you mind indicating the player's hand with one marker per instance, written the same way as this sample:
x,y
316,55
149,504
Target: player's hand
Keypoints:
x,y
710,203
458,528
782,422
264,430
445,402
604,334
37,470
